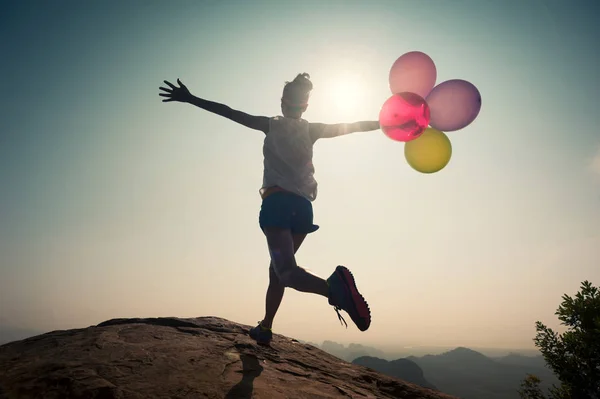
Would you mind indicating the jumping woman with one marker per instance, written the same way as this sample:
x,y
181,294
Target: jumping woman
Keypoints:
x,y
287,192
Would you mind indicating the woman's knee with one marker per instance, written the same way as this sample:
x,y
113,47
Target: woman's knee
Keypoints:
x,y
286,278
273,277
289,276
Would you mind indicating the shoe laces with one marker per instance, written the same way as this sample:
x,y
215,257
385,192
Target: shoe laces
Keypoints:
x,y
337,310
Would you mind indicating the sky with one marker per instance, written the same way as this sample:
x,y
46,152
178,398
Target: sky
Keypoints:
x,y
115,204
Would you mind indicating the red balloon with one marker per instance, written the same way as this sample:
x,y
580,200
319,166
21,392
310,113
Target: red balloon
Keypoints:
x,y
414,72
404,116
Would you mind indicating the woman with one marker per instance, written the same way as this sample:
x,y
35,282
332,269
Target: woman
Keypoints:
x,y
288,190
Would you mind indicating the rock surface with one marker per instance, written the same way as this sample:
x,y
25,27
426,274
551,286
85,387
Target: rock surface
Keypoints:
x,y
203,357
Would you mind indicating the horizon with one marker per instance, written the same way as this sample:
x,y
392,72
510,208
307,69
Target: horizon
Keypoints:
x,y
115,206
390,351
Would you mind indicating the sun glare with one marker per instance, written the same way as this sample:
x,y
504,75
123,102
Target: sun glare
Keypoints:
x,y
345,94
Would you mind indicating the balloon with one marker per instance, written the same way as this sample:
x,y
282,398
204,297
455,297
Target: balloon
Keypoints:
x,y
430,152
404,116
414,72
454,105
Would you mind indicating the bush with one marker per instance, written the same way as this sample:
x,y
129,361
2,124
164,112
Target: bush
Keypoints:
x,y
573,356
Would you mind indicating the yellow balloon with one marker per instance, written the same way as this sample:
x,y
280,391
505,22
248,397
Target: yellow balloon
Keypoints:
x,y
430,152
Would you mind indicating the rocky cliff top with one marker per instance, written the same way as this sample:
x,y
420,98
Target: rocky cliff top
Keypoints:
x,y
204,357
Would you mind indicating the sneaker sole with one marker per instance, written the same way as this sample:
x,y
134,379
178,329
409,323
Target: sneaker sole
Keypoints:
x,y
360,305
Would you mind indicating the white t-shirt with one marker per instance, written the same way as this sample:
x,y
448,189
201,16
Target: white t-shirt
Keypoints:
x,y
288,157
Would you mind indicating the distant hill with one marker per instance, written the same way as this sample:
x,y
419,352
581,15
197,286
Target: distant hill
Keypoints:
x,y
461,371
470,375
352,351
403,369
392,352
516,359
458,358
465,373
309,343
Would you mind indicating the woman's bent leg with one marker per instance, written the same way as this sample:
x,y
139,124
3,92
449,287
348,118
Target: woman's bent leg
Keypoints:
x,y
281,248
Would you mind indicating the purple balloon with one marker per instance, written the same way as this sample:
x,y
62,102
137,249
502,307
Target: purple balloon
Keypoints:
x,y
453,104
413,72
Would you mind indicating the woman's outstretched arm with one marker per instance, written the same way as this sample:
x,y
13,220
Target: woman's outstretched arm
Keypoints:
x,y
323,130
182,94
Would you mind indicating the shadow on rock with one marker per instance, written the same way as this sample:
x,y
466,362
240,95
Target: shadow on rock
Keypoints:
x,y
251,369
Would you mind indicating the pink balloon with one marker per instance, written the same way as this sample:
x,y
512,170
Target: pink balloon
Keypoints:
x,y
404,116
413,72
454,105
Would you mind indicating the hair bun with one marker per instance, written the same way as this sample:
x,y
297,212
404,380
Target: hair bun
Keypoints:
x,y
302,76
302,81
298,90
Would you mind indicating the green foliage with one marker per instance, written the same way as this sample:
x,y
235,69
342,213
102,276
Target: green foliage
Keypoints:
x,y
574,356
530,388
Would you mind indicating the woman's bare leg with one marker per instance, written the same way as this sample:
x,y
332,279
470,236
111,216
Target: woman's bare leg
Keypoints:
x,y
281,247
276,289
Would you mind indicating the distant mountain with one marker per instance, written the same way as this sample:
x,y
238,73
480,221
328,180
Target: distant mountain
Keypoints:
x,y
516,359
458,358
461,371
352,351
403,369
471,375
310,343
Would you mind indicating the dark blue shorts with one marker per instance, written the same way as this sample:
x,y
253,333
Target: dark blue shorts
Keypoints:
x,y
287,211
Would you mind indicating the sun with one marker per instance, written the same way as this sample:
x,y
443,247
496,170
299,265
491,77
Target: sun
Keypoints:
x,y
345,94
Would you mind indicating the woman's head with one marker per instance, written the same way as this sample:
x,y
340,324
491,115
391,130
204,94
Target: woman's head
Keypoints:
x,y
295,96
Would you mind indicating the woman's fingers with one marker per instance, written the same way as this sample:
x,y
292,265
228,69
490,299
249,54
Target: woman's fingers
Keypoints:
x,y
171,92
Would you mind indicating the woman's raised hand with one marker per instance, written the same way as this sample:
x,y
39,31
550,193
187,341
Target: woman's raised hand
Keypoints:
x,y
174,93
